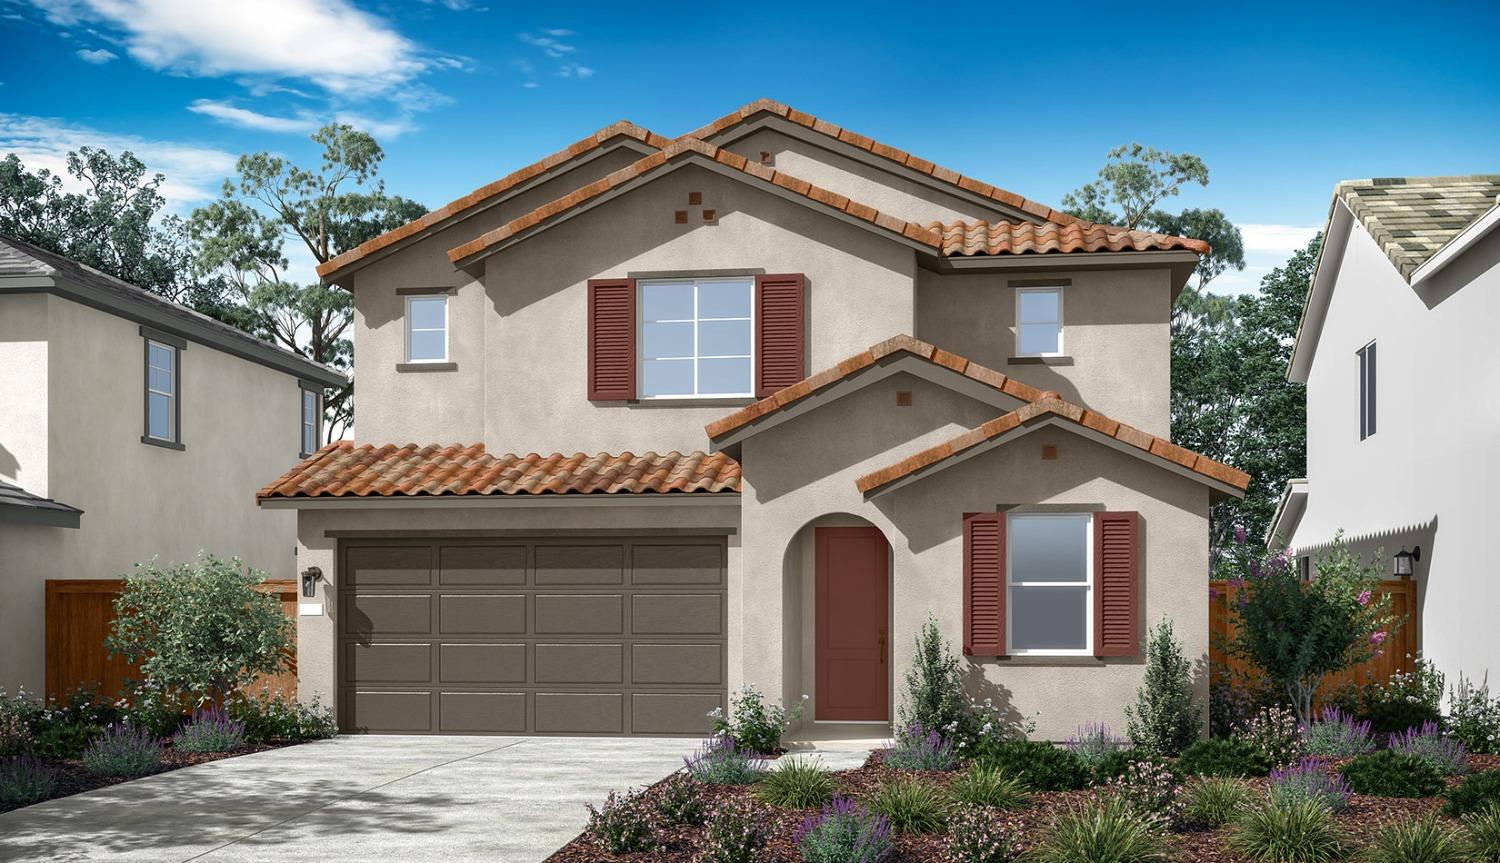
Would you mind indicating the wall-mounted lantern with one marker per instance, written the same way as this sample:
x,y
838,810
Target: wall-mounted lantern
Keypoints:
x,y
310,578
1405,561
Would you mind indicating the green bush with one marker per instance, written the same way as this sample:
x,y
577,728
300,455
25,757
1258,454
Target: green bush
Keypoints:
x,y
679,801
1475,794
1234,758
1404,700
1107,830
1483,829
270,717
934,696
62,730
911,805
1390,774
626,822
1474,717
1418,841
754,725
981,785
123,751
1164,719
735,833
1042,766
152,710
975,835
15,735
1117,764
1215,800
1288,829
798,783
24,781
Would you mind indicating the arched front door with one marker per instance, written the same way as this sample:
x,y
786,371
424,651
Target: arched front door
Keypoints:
x,y
852,641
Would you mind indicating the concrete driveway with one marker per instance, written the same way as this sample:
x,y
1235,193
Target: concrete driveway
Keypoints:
x,y
358,798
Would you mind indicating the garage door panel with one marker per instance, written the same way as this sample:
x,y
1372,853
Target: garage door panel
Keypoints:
x,y
676,614
388,614
468,614
580,713
690,664
498,565
673,713
482,663
387,663
580,614
580,663
377,565
677,564
482,712
390,712
580,564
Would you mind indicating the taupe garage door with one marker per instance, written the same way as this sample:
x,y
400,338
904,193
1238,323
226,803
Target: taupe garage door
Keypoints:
x,y
592,635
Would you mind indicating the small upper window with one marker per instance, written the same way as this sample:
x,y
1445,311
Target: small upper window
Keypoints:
x,y
1049,567
427,329
696,337
1367,391
161,391
312,421
1039,328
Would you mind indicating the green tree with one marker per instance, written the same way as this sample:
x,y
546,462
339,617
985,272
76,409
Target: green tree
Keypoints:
x,y
240,237
934,685
201,630
1164,720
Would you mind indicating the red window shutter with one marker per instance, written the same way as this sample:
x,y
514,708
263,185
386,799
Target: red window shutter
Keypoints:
x,y
611,339
1117,583
984,584
780,352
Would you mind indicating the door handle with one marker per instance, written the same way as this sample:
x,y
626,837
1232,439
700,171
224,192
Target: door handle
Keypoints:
x,y
881,641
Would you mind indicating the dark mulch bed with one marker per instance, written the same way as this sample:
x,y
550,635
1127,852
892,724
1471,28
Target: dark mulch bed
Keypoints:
x,y
73,778
1363,818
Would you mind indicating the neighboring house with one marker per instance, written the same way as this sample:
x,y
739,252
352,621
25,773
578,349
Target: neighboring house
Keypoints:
x,y
819,391
1400,321
132,428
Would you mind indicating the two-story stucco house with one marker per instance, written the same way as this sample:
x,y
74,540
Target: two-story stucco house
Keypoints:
x,y
1400,321
131,428
818,391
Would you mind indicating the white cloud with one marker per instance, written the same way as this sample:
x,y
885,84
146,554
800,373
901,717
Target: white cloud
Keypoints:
x,y
193,172
1277,238
549,45
231,115
458,5
1266,248
381,129
558,32
98,57
573,70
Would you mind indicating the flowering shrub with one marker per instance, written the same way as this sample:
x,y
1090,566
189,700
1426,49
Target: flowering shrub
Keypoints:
x,y
275,717
1094,742
1336,734
719,762
1473,717
1310,778
63,728
1404,700
975,835
1152,790
919,748
679,801
735,833
1276,732
1230,706
123,751
626,822
985,730
210,731
844,832
1431,744
15,735
752,723
24,780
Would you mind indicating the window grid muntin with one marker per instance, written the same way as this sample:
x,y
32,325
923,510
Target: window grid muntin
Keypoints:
x,y
1086,586
697,321
154,371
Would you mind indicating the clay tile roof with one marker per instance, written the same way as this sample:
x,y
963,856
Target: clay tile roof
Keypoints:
x,y
1412,218
486,192
343,469
1022,238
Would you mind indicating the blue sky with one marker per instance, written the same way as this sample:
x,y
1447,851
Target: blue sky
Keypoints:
x,y
1281,100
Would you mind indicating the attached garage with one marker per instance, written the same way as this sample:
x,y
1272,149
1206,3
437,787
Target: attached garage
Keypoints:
x,y
586,635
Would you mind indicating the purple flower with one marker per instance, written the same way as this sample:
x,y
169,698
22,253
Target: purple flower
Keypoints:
x,y
1377,638
1239,535
1255,569
1213,593
1363,598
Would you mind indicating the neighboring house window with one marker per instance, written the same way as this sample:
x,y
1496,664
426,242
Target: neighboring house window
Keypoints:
x,y
1367,391
696,337
312,421
161,392
1049,572
1039,328
427,329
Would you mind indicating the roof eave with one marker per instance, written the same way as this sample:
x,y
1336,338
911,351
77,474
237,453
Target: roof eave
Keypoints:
x,y
430,501
1455,247
1336,233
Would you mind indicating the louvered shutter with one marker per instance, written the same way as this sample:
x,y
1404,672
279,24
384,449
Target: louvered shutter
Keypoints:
x,y
780,352
1116,583
984,584
611,339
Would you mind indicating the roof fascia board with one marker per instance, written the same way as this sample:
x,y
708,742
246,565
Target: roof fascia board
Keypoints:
x,y
625,142
1071,260
1286,509
40,517
25,284
717,498
1320,292
1455,247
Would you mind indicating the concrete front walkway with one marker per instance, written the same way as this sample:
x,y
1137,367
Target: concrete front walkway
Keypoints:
x,y
358,798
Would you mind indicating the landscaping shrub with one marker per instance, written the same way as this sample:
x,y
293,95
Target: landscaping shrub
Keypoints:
x,y
1152,790
1475,794
1116,763
798,783
1164,719
1337,734
270,717
753,724
1276,732
1107,830
987,728
1234,758
920,748
1422,840
719,762
1215,800
626,822
844,832
1391,774
152,710
210,730
1310,778
1287,829
123,751
1483,829
1432,744
15,735
24,780
679,801
63,729
1474,717
735,833
934,695
911,805
975,835
1095,743
1230,705
1042,766
981,785
1404,700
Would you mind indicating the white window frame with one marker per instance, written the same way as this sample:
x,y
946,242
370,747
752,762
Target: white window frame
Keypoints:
x,y
1061,329
1369,386
174,434
640,337
1087,584
314,424
409,328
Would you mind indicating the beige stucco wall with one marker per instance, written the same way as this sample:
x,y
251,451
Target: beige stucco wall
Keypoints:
x,y
240,427
23,387
1116,331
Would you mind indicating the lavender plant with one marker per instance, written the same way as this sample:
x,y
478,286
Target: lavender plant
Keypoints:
x,y
844,832
1094,742
975,835
1310,778
123,750
1432,744
735,833
720,762
1336,734
24,780
626,822
210,730
920,748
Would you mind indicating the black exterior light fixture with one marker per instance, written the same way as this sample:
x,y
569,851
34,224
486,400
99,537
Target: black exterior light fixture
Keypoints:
x,y
1405,561
310,578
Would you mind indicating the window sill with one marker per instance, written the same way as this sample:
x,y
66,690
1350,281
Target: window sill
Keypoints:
x,y
164,444
1048,659
1040,361
692,401
426,367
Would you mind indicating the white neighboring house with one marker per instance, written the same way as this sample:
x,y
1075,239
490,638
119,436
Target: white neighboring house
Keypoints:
x,y
1397,348
130,428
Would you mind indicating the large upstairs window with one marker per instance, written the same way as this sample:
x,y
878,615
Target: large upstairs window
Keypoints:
x,y
696,337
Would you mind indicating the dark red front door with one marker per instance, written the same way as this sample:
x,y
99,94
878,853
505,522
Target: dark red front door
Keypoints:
x,y
852,644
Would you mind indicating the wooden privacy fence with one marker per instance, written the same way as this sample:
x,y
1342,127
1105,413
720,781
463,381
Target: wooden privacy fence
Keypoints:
x,y
1400,647
79,615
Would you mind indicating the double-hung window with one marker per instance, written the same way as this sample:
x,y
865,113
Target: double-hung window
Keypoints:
x,y
427,328
1050,583
312,420
162,386
1039,322
1367,391
696,337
